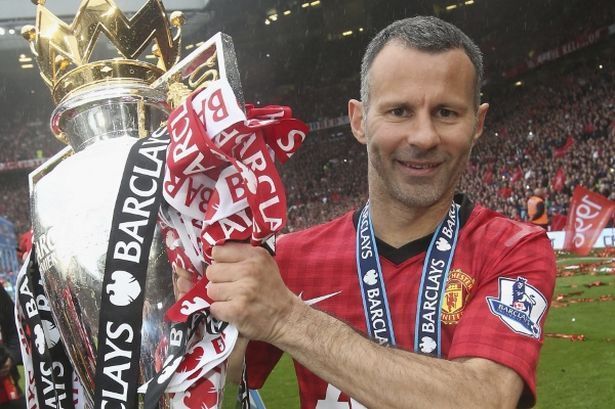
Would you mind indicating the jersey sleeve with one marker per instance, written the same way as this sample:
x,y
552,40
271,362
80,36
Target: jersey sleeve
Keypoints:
x,y
261,358
504,317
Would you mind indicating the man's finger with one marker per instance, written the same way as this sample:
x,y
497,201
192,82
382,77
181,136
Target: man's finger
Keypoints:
x,y
224,311
229,311
183,285
231,252
182,281
227,272
183,273
221,291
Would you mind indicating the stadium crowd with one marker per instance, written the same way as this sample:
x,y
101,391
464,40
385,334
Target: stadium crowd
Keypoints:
x,y
555,132
562,134
25,140
526,36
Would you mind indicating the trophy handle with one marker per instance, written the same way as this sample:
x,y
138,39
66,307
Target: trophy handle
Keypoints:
x,y
214,59
49,165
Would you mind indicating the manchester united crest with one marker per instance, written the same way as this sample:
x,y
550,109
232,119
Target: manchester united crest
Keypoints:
x,y
456,296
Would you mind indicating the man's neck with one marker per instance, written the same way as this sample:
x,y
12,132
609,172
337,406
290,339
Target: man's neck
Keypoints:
x,y
397,224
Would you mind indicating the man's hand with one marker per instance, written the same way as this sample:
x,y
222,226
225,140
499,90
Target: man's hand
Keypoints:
x,y
245,283
182,282
5,370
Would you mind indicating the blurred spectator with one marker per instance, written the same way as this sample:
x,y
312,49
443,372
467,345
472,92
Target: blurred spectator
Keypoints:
x,y
24,245
10,355
14,200
537,209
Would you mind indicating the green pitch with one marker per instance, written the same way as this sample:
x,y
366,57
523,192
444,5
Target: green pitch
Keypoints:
x,y
580,374
571,374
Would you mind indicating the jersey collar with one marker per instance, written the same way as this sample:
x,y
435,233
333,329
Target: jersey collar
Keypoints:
x,y
412,248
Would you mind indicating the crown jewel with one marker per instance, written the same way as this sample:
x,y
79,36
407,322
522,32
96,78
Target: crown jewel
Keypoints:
x,y
63,50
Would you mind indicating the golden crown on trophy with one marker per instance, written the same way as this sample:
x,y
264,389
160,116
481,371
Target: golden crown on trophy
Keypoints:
x,y
63,51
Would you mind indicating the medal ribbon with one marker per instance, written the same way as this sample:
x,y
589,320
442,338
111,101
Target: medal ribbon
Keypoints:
x,y
427,338
427,332
371,281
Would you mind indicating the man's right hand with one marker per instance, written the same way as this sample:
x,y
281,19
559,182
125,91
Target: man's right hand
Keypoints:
x,y
182,284
248,291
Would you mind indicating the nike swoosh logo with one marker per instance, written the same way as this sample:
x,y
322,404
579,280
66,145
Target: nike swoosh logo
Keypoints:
x,y
316,300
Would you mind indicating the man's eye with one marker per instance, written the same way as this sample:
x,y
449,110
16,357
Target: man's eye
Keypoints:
x,y
398,111
446,113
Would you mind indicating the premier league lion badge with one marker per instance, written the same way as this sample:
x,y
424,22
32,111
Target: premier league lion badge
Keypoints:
x,y
519,305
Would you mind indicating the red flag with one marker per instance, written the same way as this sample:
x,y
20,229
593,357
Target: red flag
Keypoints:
x,y
562,151
588,214
505,192
558,180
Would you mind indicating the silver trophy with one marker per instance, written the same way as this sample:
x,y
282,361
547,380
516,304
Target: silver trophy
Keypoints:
x,y
72,207
103,108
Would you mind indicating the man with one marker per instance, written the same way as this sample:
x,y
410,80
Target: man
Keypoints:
x,y
536,209
421,274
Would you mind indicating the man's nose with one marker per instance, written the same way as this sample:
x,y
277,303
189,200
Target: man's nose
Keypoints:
x,y
423,133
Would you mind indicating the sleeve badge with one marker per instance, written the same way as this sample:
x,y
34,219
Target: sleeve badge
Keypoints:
x,y
519,305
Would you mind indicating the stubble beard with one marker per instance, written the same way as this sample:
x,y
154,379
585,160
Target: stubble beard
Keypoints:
x,y
385,182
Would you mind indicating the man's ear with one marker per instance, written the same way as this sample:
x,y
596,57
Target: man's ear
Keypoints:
x,y
480,121
355,114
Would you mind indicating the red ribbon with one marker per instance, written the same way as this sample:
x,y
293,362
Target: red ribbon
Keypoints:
x,y
227,183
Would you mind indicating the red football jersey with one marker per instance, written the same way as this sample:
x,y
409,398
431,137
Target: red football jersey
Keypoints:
x,y
496,298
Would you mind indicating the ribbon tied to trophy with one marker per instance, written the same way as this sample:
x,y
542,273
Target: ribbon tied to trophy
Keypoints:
x,y
221,180
221,184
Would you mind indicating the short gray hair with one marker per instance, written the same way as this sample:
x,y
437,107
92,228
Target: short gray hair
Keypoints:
x,y
424,33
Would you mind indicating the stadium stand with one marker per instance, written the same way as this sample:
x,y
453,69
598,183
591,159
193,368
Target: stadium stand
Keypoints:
x,y
556,129
14,200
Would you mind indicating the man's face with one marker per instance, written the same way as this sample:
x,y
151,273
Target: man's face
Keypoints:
x,y
420,125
